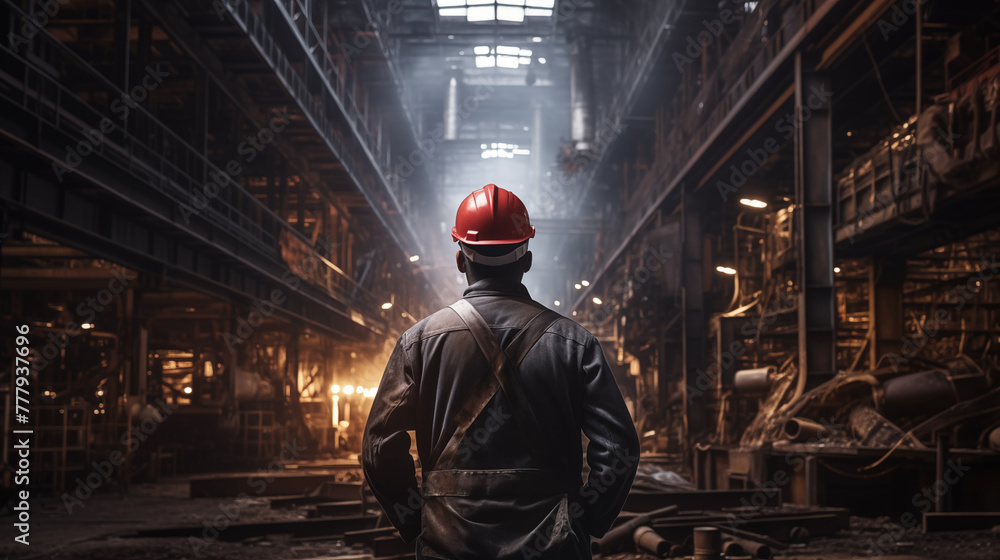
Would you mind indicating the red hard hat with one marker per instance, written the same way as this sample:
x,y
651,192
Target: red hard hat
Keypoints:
x,y
492,216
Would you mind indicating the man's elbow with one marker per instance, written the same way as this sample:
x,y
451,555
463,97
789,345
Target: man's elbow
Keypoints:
x,y
368,455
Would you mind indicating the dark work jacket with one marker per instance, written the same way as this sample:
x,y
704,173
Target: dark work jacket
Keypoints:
x,y
436,364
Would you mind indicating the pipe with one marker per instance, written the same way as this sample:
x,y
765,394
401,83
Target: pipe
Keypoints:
x,y
751,548
536,145
803,429
647,540
751,536
731,548
621,537
581,95
921,393
757,380
941,467
994,439
707,543
452,122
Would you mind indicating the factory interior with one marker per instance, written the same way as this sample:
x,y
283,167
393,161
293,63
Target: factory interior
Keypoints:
x,y
780,219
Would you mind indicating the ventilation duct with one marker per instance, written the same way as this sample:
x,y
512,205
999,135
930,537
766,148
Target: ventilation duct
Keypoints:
x,y
452,122
536,145
581,95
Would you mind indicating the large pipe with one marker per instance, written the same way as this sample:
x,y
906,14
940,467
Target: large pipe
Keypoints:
x,y
924,392
581,98
647,540
752,548
621,537
803,429
754,381
707,543
452,122
731,548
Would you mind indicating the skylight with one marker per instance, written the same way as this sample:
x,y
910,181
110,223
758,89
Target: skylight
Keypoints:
x,y
495,10
502,56
503,150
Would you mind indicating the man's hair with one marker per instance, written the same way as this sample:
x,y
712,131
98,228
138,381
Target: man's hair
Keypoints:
x,y
503,271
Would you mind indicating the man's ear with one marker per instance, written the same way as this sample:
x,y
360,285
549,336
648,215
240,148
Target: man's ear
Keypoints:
x,y
527,262
460,261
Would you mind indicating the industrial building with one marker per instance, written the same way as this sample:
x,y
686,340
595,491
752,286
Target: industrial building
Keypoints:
x,y
781,219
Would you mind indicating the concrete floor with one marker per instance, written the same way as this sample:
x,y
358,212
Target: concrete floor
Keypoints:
x,y
98,531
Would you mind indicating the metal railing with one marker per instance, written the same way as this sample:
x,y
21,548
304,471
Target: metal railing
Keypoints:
x,y
163,161
316,53
683,143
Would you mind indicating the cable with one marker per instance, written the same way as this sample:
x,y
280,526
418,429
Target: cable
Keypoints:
x,y
878,75
847,474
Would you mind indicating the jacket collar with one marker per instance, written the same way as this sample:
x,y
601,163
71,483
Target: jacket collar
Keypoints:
x,y
496,287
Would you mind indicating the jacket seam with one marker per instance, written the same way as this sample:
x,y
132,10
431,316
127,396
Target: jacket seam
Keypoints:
x,y
425,335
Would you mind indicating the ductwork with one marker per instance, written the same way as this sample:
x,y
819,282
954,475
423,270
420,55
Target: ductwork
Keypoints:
x,y
581,95
452,122
536,145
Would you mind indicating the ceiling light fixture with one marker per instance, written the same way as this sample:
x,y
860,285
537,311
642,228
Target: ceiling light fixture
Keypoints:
x,y
753,203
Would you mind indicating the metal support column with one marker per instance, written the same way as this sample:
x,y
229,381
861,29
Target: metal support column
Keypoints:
x,y
123,25
122,48
693,320
942,499
885,307
814,194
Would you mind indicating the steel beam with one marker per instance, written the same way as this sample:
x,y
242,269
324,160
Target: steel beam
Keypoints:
x,y
639,501
777,525
302,528
283,484
693,321
750,100
814,194
885,307
960,521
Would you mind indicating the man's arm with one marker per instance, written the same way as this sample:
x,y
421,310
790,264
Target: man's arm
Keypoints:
x,y
385,450
613,452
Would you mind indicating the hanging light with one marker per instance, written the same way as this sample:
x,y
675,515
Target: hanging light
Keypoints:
x,y
753,203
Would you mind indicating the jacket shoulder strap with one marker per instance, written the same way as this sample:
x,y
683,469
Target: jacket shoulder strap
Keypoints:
x,y
503,366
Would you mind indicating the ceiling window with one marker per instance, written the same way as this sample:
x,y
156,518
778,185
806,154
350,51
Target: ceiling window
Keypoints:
x,y
495,10
502,150
501,57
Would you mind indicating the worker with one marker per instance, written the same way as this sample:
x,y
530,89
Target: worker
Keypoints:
x,y
497,389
